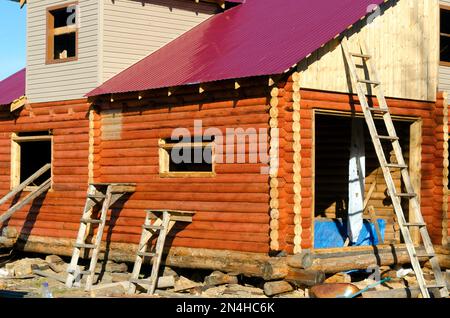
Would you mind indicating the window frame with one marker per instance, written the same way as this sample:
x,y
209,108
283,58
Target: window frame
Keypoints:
x,y
446,8
16,152
164,160
50,35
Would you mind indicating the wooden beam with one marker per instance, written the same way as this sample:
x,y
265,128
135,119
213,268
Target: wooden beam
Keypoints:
x,y
65,30
18,103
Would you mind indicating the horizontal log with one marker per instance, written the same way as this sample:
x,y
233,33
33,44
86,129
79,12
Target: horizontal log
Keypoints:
x,y
410,292
275,288
302,277
245,263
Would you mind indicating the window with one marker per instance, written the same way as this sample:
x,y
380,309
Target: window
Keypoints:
x,y
186,159
62,34
30,152
445,36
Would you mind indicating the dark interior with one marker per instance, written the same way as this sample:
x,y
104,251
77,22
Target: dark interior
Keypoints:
x,y
202,164
332,142
34,155
445,35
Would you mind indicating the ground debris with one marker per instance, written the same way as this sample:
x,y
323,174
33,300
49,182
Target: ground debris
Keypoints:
x,y
218,278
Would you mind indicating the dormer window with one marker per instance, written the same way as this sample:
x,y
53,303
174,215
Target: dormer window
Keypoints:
x,y
62,33
445,36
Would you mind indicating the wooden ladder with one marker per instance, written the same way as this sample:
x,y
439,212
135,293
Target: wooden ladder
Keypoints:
x,y
36,192
163,222
387,167
107,194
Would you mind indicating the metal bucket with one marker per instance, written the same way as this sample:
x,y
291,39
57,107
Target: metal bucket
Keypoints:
x,y
338,290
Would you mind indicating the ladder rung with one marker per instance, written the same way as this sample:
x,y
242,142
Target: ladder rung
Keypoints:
x,y
368,82
96,197
377,109
425,255
436,286
82,245
415,224
406,195
388,137
394,165
147,254
91,221
364,56
140,281
153,227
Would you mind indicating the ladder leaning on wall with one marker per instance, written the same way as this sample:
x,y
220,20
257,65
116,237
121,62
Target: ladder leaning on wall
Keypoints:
x,y
387,167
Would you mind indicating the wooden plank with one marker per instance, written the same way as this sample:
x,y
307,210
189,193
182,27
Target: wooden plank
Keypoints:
x,y
30,197
374,219
24,184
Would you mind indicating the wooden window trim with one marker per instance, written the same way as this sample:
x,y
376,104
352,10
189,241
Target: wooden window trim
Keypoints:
x,y
447,8
50,33
15,159
164,160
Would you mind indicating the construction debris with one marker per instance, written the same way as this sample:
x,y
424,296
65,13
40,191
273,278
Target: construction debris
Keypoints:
x,y
339,278
218,278
275,288
25,266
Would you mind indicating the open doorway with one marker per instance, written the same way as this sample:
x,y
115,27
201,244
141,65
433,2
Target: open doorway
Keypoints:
x,y
333,135
30,152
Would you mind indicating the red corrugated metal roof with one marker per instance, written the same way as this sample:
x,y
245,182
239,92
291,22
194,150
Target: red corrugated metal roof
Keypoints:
x,y
12,88
258,37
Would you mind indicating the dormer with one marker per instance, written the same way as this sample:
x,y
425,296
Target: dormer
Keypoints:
x,y
74,46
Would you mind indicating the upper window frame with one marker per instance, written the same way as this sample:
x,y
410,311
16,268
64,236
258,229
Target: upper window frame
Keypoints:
x,y
447,8
50,39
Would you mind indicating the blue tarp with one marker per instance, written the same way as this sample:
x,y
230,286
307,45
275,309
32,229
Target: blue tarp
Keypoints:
x,y
333,233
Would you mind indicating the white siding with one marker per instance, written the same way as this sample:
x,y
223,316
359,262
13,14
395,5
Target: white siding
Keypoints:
x,y
63,81
444,71
444,78
404,44
134,29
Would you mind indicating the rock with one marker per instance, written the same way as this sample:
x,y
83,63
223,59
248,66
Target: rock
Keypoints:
x,y
391,274
367,282
218,278
54,259
214,291
120,277
295,294
58,268
447,277
56,263
169,272
108,290
24,267
275,288
4,272
243,291
339,278
184,283
107,278
112,267
3,285
10,232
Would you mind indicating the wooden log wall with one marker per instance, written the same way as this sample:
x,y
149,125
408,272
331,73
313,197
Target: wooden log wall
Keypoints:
x,y
232,208
56,214
431,161
445,174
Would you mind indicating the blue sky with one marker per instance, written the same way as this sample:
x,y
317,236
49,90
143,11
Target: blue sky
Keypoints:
x,y
12,38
